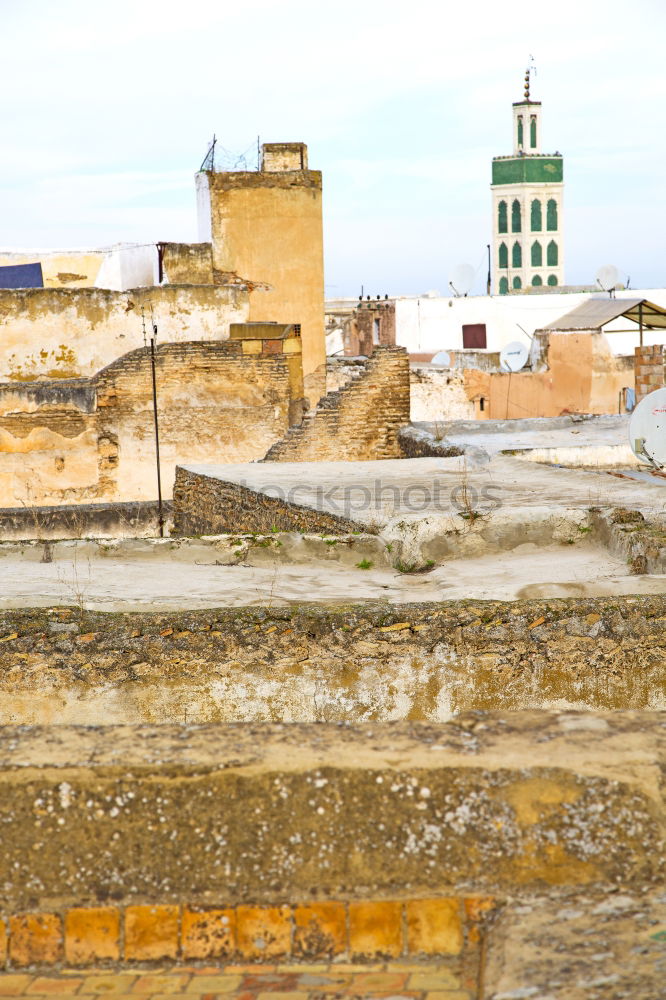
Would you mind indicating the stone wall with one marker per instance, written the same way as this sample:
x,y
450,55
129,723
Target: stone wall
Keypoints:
x,y
204,504
95,520
73,332
438,394
649,370
359,422
92,440
186,263
375,663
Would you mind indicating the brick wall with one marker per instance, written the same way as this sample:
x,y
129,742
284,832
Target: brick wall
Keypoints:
x,y
359,422
649,369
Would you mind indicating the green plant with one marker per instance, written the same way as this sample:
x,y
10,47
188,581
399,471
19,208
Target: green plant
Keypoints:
x,y
389,546
364,564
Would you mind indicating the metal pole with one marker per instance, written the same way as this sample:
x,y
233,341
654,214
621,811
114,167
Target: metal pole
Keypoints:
x,y
640,322
157,439
489,269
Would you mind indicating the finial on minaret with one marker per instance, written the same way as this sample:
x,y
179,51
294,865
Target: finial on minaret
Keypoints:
x,y
531,68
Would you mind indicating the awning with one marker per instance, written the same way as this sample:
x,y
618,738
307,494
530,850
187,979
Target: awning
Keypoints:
x,y
596,313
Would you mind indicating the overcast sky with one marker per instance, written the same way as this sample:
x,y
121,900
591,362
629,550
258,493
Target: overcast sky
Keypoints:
x,y
107,110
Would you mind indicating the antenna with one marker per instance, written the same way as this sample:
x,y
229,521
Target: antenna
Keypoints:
x,y
647,429
462,279
442,358
208,162
513,357
608,279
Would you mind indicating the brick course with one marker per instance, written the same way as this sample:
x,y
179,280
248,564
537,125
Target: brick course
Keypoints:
x,y
649,369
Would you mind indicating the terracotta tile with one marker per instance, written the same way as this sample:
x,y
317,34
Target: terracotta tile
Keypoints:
x,y
155,983
92,934
442,980
263,931
434,927
449,995
35,939
108,982
14,984
214,984
320,930
374,982
375,930
151,932
52,987
208,933
258,968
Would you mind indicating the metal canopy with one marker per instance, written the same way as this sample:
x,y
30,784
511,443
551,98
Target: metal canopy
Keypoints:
x,y
595,313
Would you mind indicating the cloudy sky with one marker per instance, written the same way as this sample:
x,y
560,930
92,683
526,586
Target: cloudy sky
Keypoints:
x,y
108,108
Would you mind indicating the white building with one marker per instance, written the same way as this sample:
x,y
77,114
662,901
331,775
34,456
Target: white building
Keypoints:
x,y
528,224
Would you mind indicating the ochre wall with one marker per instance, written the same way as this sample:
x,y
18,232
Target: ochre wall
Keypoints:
x,y
267,229
187,263
89,440
582,376
72,333
60,270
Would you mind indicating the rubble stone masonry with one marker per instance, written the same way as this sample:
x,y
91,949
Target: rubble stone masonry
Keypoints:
x,y
649,368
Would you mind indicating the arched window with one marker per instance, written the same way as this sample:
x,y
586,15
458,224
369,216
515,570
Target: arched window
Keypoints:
x,y
516,255
551,216
520,131
503,255
515,216
517,283
502,220
552,280
504,286
551,254
536,221
536,280
533,135
537,254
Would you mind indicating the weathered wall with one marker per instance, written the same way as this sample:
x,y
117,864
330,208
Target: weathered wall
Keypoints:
x,y
375,663
78,269
72,333
266,227
649,370
359,422
186,263
577,374
89,440
438,394
109,520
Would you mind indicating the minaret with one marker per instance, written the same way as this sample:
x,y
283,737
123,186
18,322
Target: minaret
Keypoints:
x,y
527,189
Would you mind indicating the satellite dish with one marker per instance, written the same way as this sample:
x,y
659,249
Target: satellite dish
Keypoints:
x,y
608,278
513,357
647,429
442,358
462,279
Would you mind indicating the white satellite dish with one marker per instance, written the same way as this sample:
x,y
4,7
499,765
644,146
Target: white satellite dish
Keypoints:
x,y
462,279
608,277
513,357
647,429
442,358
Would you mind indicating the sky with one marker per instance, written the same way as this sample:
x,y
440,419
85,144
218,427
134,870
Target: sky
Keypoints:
x,y
108,109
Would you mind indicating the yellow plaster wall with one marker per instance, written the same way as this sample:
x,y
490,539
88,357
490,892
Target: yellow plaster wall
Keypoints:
x,y
71,333
60,270
267,228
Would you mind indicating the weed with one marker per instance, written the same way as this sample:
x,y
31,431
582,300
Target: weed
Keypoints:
x,y
364,564
331,541
584,529
389,546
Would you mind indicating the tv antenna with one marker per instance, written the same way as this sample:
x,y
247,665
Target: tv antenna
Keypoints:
x,y
608,279
513,357
462,279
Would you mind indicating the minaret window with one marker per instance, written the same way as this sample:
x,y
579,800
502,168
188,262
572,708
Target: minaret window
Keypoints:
x,y
552,280
516,256
537,280
552,254
504,286
537,254
503,255
520,131
517,283
536,221
533,131
502,218
515,216
551,216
